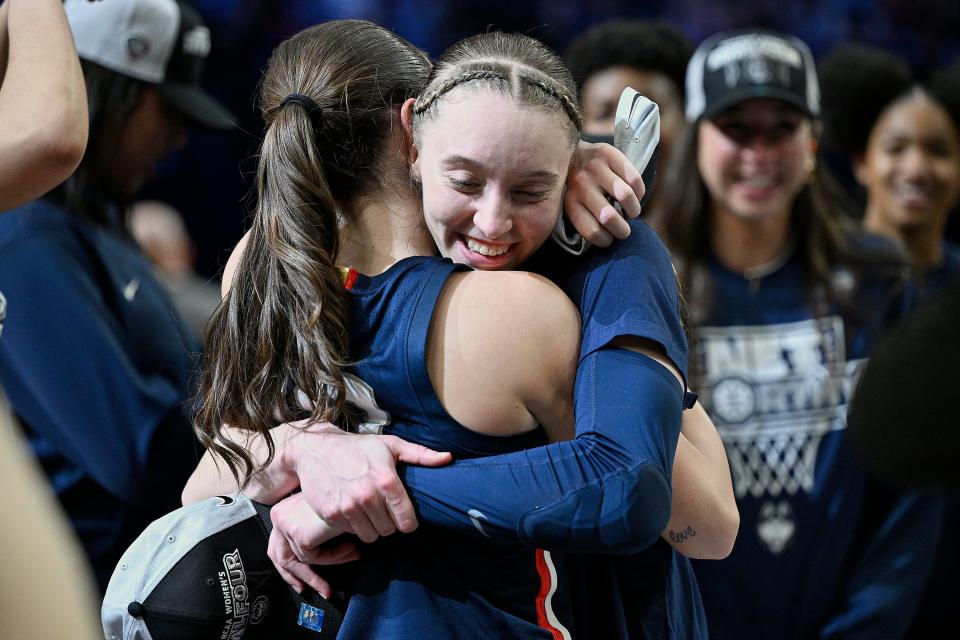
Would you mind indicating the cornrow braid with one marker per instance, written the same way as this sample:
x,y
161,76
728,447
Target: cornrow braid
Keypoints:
x,y
525,68
447,85
569,106
565,100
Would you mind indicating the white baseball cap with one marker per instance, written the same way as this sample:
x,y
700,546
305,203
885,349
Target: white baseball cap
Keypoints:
x,y
162,42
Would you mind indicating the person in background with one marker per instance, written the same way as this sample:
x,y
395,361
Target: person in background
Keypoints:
x,y
902,375
786,299
903,137
43,133
94,361
650,57
43,104
162,235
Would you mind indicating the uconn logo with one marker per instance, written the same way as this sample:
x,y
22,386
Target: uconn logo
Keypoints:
x,y
196,42
3,311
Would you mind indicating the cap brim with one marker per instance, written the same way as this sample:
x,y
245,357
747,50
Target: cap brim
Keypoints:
x,y
198,106
746,93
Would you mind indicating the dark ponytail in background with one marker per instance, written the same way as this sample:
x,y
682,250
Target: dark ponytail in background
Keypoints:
x,y
328,99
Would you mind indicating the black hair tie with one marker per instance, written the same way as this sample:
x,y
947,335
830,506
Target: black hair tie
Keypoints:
x,y
312,108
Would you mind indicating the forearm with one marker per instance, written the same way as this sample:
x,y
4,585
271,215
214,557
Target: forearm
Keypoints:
x,y
43,103
704,519
43,60
607,490
268,485
210,478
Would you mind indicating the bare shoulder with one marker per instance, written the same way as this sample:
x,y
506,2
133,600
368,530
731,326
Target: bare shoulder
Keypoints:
x,y
504,345
528,302
230,269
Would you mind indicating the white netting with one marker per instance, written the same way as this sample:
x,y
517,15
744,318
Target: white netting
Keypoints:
x,y
774,464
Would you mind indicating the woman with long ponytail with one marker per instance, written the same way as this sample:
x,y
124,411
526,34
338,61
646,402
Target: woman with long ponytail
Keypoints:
x,y
278,343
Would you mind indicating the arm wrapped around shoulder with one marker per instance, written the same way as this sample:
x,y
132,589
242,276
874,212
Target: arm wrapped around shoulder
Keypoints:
x,y
622,501
607,490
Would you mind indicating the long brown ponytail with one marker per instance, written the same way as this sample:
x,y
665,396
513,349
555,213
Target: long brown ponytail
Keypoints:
x,y
327,98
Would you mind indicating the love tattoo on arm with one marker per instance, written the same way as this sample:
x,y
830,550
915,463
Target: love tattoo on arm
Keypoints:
x,y
680,536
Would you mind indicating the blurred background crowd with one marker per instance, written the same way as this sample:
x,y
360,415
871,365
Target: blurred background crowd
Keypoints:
x,y
208,182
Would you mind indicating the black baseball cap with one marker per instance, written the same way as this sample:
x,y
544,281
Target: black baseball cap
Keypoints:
x,y
163,42
728,68
202,572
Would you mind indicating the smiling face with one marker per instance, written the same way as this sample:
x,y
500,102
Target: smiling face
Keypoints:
x,y
755,158
911,166
492,173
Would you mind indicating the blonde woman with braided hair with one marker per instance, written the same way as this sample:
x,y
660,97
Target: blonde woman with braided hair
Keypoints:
x,y
480,364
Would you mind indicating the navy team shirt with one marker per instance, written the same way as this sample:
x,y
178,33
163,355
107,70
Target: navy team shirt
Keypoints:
x,y
607,491
823,550
652,593
430,583
96,366
947,272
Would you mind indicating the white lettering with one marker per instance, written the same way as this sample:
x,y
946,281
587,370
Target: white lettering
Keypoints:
x,y
774,392
752,46
196,42
236,578
770,353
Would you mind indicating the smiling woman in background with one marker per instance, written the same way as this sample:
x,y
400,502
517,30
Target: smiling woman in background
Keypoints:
x,y
787,298
903,137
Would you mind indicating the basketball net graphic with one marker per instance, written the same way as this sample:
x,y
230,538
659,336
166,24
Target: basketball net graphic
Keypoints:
x,y
775,464
774,392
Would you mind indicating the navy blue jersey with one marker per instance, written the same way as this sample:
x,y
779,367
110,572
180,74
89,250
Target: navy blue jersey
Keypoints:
x,y
822,551
626,289
389,324
431,583
650,594
97,366
947,272
607,491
